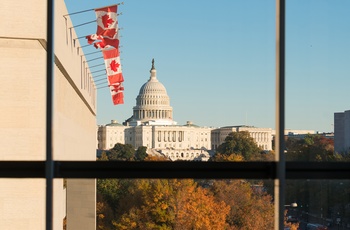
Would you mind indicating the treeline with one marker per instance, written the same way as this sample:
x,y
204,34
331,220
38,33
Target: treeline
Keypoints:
x,y
313,148
181,204
200,204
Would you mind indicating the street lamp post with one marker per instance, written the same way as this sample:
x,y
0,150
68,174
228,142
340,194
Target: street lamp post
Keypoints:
x,y
293,205
338,220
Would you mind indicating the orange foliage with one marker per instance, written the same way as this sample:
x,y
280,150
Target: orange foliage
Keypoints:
x,y
173,204
249,210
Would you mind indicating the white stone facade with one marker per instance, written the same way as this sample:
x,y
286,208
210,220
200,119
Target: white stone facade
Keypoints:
x,y
152,126
22,123
295,132
262,136
110,134
176,142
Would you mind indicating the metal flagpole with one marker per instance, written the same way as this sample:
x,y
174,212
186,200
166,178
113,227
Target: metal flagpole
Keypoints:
x,y
98,71
89,23
100,83
83,11
79,37
79,47
82,24
100,80
91,53
102,87
93,59
122,3
99,75
95,65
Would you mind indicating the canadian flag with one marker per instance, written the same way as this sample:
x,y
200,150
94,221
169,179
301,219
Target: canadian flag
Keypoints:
x,y
104,42
113,66
117,93
92,38
107,23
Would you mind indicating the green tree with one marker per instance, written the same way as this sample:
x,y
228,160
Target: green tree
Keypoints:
x,y
103,157
122,152
141,153
311,148
239,143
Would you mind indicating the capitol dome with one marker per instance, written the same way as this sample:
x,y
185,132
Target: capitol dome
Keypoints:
x,y
153,103
153,86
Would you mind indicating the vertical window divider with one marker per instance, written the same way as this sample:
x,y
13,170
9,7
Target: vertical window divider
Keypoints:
x,y
49,166
279,188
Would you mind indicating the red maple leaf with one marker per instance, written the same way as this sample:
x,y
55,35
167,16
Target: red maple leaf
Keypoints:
x,y
106,20
114,65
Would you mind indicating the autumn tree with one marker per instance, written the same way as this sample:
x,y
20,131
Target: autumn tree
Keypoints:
x,y
156,158
148,205
104,214
249,209
171,204
197,208
104,157
226,157
310,148
291,226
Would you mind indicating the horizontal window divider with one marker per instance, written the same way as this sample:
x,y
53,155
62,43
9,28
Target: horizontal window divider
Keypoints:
x,y
317,170
177,169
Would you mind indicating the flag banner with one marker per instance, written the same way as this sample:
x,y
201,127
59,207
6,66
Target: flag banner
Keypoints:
x,y
117,93
107,23
105,42
113,66
92,38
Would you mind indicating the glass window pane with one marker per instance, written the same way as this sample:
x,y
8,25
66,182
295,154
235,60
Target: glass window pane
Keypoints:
x,y
317,48
184,204
213,74
319,202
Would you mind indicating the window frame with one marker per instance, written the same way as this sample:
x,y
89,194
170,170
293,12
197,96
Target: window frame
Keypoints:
x,y
278,170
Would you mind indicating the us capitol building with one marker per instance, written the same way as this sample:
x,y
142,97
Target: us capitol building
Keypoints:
x,y
152,126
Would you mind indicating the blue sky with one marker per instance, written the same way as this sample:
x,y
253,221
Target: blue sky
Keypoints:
x,y
217,59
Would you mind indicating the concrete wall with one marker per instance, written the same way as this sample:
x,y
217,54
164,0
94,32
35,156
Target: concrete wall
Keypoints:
x,y
81,204
22,123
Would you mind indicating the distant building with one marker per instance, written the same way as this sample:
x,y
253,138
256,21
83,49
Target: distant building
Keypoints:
x,y
342,132
110,134
262,136
291,132
152,126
